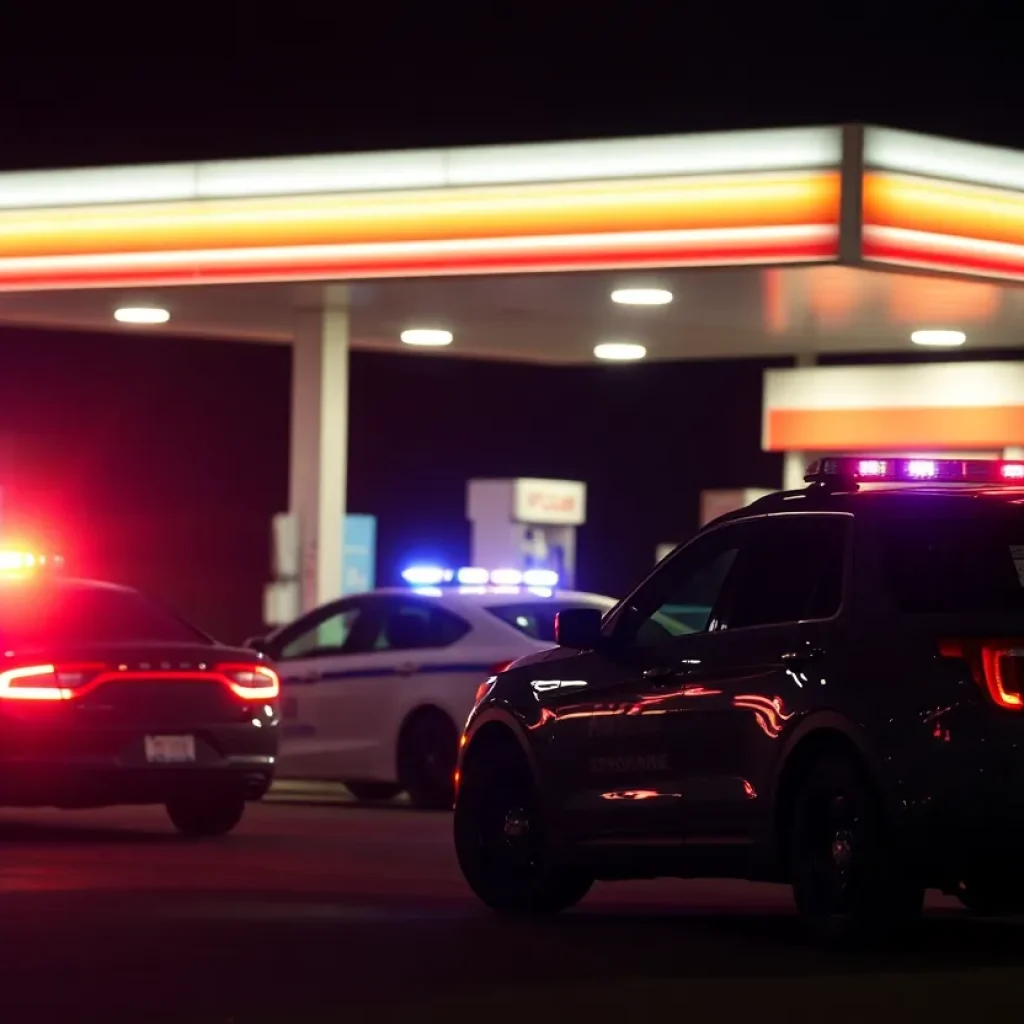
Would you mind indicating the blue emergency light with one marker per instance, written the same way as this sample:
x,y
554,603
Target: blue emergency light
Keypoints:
x,y
880,469
474,576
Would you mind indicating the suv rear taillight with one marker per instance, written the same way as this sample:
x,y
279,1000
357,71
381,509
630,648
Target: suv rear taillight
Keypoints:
x,y
996,665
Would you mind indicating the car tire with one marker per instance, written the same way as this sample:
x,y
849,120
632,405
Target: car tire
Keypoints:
x,y
203,816
503,847
849,882
428,751
373,792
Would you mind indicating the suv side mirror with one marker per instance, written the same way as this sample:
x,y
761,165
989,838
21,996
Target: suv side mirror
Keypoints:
x,y
579,628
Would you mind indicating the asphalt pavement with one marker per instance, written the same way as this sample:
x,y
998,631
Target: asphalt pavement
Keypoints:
x,y
338,912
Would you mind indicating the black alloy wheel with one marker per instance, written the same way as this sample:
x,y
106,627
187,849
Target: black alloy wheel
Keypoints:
x,y
502,845
849,882
427,754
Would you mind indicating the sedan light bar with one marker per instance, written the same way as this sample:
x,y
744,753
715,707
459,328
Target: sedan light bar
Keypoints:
x,y
878,469
436,576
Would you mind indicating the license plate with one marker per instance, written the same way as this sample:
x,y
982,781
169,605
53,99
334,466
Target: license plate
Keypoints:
x,y
170,749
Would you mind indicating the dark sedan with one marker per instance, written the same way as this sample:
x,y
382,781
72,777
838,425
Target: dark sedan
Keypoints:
x,y
108,698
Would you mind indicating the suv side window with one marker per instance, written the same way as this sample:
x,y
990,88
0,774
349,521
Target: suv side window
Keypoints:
x,y
793,572
408,624
681,596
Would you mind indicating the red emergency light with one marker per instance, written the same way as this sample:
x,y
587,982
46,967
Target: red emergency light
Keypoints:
x,y
18,563
880,469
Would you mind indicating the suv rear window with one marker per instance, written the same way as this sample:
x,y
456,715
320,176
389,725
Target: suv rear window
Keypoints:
x,y
955,564
537,618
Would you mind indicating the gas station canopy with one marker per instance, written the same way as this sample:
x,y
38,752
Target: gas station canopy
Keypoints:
x,y
798,224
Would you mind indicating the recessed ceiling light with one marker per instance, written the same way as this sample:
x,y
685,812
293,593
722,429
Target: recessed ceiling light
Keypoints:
x,y
620,351
641,296
939,339
428,337
141,315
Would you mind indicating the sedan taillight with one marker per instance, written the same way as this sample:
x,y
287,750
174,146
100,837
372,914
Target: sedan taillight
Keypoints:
x,y
46,682
252,682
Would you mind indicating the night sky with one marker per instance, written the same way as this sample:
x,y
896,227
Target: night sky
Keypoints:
x,y
106,440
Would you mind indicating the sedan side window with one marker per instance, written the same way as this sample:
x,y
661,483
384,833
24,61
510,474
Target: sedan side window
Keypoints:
x,y
409,625
334,634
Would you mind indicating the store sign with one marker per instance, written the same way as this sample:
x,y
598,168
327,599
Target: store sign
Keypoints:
x,y
554,502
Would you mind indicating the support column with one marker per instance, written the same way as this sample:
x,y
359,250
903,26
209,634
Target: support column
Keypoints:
x,y
319,444
794,464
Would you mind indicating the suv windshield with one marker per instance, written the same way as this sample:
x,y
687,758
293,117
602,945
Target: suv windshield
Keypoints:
x,y
955,564
70,613
537,618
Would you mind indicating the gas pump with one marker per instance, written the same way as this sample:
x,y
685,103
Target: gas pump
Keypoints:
x,y
527,523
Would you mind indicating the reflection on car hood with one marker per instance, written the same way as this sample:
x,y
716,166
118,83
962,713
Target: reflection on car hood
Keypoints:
x,y
551,654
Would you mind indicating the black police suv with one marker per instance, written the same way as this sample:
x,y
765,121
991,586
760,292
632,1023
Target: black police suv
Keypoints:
x,y
847,715
107,698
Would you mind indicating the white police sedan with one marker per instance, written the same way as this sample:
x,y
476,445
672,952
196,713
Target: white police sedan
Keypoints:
x,y
376,687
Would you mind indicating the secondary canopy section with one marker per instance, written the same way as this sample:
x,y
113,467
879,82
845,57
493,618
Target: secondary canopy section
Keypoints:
x,y
942,205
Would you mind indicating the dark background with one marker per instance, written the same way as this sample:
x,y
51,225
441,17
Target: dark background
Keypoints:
x,y
160,461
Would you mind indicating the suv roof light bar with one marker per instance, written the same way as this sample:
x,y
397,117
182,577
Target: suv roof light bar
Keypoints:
x,y
850,471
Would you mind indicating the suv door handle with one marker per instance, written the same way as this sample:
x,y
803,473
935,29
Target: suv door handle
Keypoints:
x,y
406,668
796,657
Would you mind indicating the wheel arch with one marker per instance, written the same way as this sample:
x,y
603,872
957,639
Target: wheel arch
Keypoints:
x,y
497,726
821,734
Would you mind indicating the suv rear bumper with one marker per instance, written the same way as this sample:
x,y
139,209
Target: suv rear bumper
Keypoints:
x,y
959,805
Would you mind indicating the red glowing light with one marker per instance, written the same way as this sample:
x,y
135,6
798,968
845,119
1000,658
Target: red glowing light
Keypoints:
x,y
16,563
43,684
251,681
53,682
